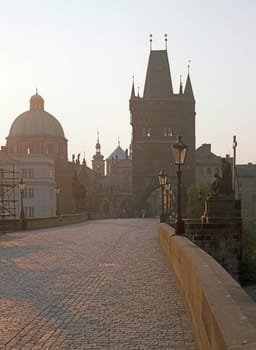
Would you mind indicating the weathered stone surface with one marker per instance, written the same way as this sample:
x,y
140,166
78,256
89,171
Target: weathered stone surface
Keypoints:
x,y
96,285
223,316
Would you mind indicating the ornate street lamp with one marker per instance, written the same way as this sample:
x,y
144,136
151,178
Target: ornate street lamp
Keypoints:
x,y
21,185
179,152
168,199
57,191
162,177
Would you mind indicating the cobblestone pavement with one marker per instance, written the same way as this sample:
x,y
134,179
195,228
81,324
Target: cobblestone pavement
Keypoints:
x,y
96,285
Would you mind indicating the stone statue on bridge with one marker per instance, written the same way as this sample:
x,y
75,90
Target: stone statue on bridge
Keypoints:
x,y
223,185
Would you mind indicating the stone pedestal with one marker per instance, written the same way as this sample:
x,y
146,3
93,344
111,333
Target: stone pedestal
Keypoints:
x,y
221,209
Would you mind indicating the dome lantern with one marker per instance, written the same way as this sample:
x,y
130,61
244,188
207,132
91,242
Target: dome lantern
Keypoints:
x,y
36,102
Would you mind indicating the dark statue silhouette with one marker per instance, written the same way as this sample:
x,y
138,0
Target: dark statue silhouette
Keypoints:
x,y
223,185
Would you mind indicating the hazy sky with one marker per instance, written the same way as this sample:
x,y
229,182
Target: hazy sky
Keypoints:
x,y
82,54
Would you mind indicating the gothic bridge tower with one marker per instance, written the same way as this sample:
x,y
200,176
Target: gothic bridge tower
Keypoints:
x,y
157,118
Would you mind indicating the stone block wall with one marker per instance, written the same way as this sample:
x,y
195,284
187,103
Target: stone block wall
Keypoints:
x,y
223,316
223,241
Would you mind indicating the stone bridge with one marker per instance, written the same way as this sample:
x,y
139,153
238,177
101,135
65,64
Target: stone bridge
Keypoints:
x,y
106,285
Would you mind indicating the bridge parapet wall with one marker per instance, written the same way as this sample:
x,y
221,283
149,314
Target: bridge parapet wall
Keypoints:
x,y
223,316
37,223
223,241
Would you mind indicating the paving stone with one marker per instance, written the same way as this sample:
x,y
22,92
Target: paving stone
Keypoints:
x,y
96,285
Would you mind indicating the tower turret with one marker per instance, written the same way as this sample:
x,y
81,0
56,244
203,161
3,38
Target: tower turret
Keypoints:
x,y
98,159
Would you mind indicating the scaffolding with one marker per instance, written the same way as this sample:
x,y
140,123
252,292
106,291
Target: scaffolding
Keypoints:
x,y
8,182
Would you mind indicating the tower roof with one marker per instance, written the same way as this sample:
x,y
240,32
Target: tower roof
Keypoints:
x,y
158,83
117,153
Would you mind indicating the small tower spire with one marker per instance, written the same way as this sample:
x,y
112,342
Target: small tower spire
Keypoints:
x,y
118,141
150,40
138,95
98,159
188,91
189,61
181,86
165,39
133,91
98,143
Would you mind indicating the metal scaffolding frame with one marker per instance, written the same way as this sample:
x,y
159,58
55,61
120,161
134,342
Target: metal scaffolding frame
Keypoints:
x,y
8,182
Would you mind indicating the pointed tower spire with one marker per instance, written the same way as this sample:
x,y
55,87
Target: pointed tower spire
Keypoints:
x,y
150,40
133,90
181,86
188,92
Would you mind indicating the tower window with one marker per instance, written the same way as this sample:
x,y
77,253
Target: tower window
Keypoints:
x,y
167,132
146,132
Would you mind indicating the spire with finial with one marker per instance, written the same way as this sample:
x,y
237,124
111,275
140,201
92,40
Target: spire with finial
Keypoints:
x,y
118,141
188,91
165,39
150,41
98,143
181,86
189,61
133,91
36,102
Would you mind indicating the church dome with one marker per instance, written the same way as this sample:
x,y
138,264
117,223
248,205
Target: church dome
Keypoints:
x,y
36,121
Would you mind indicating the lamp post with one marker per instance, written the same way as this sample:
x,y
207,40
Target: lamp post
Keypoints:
x,y
21,185
57,191
179,152
162,177
168,200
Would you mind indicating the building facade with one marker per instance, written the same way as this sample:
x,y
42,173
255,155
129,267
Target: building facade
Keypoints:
x,y
38,174
207,165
